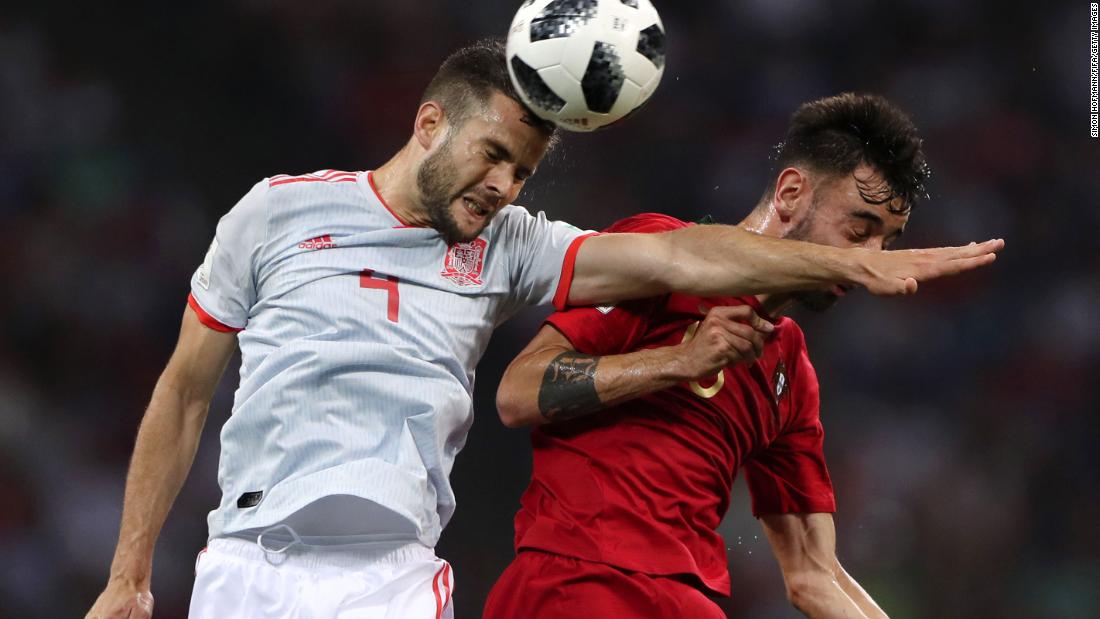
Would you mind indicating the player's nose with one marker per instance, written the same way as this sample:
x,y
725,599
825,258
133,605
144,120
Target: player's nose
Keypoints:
x,y
499,184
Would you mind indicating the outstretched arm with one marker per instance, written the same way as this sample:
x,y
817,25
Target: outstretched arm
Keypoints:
x,y
805,547
165,448
719,260
550,381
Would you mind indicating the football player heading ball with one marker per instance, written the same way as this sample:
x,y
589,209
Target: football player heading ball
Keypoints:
x,y
358,356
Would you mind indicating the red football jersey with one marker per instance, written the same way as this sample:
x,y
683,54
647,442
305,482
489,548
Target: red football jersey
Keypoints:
x,y
644,485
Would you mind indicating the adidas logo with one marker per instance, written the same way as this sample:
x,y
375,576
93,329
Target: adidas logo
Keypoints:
x,y
322,242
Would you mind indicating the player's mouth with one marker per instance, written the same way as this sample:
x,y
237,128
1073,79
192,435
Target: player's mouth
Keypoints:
x,y
476,208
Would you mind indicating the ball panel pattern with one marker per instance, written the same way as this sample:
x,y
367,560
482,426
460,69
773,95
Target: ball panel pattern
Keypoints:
x,y
561,18
535,88
651,44
603,79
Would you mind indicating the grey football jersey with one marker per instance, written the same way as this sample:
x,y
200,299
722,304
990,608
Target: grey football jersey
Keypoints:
x,y
359,338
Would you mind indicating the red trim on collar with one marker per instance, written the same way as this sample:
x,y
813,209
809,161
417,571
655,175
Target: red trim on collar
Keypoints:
x,y
374,188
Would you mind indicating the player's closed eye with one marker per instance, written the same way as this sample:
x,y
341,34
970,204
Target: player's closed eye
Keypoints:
x,y
859,235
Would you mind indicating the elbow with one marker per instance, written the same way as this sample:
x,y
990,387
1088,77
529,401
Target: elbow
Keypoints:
x,y
512,413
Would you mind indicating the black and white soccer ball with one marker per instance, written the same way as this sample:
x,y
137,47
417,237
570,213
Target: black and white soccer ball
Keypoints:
x,y
585,64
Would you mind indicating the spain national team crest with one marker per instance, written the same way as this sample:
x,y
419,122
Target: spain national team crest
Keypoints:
x,y
464,262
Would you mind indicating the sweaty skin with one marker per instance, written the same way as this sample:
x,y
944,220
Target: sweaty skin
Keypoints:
x,y
481,168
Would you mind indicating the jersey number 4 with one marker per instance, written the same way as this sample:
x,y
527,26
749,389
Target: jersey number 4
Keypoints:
x,y
389,284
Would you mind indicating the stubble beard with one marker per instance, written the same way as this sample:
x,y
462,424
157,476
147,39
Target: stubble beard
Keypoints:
x,y
435,180
813,300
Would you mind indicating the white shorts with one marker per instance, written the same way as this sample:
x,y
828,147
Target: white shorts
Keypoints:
x,y
236,579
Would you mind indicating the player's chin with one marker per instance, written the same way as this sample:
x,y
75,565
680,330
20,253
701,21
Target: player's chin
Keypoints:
x,y
469,221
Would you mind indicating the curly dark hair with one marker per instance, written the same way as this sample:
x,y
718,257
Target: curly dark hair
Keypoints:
x,y
834,135
468,78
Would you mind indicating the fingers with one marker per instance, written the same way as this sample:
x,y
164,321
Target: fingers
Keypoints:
x,y
140,606
976,249
748,342
734,342
956,266
898,272
744,314
143,608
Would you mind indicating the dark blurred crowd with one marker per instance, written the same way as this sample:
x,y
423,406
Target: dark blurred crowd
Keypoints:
x,y
960,423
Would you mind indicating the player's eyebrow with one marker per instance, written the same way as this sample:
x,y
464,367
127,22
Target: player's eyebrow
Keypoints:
x,y
869,216
502,152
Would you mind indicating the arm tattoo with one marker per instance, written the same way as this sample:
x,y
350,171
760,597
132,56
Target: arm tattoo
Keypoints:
x,y
568,387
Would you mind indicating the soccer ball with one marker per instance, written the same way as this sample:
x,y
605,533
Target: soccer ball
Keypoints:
x,y
585,64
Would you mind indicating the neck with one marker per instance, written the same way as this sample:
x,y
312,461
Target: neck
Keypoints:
x,y
395,181
763,221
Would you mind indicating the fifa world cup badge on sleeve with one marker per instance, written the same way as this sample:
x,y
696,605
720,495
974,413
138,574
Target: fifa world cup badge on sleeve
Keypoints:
x,y
207,263
464,261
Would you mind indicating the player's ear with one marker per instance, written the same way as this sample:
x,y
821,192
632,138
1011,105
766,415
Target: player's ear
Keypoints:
x,y
792,194
429,124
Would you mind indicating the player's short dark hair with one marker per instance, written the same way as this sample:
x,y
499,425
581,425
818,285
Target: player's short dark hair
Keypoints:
x,y
468,78
834,135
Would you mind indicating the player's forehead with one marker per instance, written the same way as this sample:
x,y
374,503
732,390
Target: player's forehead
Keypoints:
x,y
503,121
865,191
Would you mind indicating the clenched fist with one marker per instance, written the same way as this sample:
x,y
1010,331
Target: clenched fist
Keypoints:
x,y
123,600
728,335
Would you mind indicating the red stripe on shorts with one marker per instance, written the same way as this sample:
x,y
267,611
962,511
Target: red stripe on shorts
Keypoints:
x,y
435,590
447,584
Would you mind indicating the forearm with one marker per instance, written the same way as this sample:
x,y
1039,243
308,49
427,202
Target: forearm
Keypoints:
x,y
564,384
824,598
163,453
825,594
727,260
858,595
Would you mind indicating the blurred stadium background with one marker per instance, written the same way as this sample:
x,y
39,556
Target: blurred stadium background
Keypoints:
x,y
961,423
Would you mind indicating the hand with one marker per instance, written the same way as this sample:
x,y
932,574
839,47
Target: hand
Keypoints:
x,y
898,272
728,335
123,600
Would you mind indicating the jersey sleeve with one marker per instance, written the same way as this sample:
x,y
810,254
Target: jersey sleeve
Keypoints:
x,y
542,254
615,329
223,288
611,330
790,476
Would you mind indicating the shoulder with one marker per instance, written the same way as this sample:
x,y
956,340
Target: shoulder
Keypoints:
x,y
792,331
324,185
320,195
515,221
312,180
791,337
513,213
647,222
